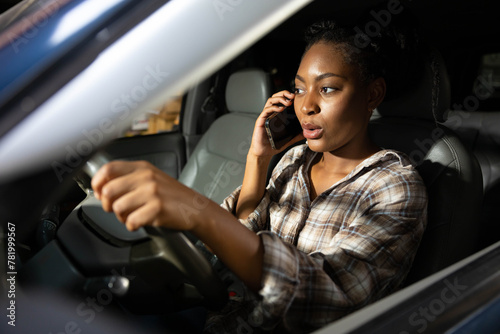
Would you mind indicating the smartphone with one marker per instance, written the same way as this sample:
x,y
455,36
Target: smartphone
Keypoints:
x,y
281,127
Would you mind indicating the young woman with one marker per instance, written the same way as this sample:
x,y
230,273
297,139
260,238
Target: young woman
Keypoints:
x,y
339,223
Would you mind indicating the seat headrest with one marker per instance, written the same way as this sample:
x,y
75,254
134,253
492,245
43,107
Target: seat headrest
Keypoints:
x,y
418,101
248,90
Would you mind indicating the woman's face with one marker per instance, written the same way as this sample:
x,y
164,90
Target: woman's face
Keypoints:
x,y
331,102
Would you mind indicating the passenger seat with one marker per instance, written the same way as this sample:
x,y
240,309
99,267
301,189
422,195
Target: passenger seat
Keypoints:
x,y
216,166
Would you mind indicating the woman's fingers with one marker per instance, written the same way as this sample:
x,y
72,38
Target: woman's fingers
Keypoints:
x,y
280,99
276,103
109,172
146,214
128,202
284,94
118,181
140,194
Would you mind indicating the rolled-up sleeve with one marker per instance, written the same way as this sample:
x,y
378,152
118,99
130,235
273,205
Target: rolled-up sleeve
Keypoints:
x,y
257,220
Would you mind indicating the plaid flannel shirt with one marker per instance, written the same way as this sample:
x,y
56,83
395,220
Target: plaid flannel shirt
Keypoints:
x,y
350,246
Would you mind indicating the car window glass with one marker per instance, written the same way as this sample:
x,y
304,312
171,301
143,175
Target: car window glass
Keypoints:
x,y
163,118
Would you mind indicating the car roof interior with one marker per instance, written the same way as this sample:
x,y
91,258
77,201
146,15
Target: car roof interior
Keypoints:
x,y
462,30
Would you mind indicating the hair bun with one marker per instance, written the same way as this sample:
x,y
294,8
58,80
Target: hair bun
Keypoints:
x,y
384,42
392,34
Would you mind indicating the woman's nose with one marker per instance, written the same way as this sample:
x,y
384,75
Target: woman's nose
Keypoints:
x,y
309,105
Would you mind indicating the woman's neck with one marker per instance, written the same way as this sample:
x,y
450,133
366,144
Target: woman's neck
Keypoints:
x,y
344,161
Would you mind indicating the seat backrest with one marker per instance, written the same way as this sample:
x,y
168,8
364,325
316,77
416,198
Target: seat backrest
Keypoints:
x,y
451,173
217,164
479,131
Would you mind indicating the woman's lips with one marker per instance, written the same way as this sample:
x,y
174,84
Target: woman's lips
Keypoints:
x,y
311,131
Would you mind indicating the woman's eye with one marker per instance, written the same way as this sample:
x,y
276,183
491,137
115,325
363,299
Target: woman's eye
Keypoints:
x,y
298,90
328,90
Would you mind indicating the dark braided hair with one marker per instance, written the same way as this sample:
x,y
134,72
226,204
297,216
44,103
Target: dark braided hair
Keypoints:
x,y
393,51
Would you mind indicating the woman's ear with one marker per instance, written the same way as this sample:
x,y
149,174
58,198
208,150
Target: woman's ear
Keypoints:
x,y
376,93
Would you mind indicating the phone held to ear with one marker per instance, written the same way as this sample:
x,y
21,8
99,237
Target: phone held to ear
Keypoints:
x,y
282,126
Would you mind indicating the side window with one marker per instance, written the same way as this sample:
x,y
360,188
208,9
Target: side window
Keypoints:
x,y
164,118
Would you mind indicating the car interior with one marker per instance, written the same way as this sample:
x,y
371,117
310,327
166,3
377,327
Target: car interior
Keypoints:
x,y
448,124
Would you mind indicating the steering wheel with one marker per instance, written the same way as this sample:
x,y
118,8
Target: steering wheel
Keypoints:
x,y
188,260
153,247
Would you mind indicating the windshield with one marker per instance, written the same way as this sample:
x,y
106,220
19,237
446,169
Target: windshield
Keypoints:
x,y
35,40
115,51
